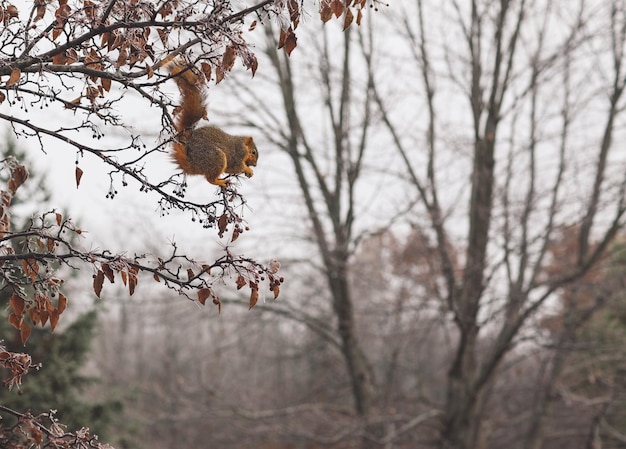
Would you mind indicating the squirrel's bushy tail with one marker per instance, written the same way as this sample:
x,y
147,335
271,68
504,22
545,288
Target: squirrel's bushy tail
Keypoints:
x,y
190,111
192,108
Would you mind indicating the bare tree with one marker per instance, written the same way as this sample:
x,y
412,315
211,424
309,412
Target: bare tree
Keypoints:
x,y
516,72
327,157
494,163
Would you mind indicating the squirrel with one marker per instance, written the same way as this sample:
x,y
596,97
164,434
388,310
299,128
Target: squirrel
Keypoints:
x,y
206,150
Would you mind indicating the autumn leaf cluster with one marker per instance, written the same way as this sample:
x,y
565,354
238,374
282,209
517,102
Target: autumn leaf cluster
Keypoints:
x,y
82,57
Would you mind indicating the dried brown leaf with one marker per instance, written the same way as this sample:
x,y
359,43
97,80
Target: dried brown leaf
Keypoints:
x,y
36,434
229,57
132,283
30,267
326,12
338,7
61,304
250,62
206,70
24,332
14,77
56,33
218,303
240,282
17,304
43,317
149,71
54,319
222,222
106,83
5,198
89,9
219,75
108,272
281,38
254,297
15,320
73,103
34,314
122,57
288,40
349,17
40,12
203,295
72,56
163,35
166,9
117,40
59,59
79,174
293,7
12,11
62,13
98,280
19,175
106,38
291,43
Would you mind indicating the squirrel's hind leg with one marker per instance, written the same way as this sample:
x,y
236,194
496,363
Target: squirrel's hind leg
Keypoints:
x,y
217,181
215,168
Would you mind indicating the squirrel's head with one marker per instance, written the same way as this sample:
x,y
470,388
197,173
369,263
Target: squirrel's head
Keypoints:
x,y
253,154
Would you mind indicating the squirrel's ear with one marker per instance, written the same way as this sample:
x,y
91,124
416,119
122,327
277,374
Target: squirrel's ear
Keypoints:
x,y
249,140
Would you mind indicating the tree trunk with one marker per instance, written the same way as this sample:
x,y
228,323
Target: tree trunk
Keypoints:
x,y
464,396
361,379
460,426
358,371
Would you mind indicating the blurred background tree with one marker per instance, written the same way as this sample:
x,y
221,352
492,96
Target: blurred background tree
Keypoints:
x,y
61,384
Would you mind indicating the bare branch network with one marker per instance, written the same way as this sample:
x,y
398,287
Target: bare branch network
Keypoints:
x,y
83,49
69,56
45,431
78,61
83,57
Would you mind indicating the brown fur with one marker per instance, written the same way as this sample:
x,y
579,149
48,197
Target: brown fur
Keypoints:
x,y
208,150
